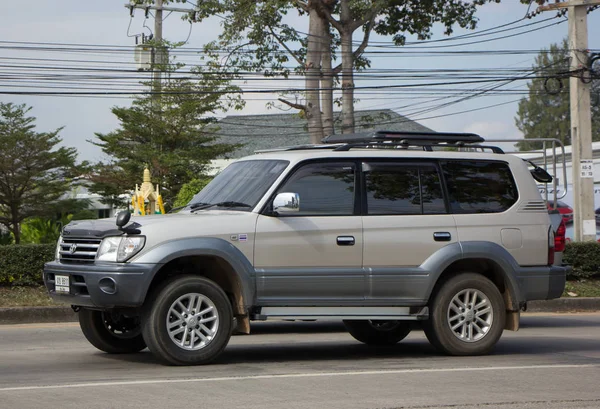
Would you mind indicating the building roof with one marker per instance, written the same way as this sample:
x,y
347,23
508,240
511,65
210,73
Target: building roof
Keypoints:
x,y
259,132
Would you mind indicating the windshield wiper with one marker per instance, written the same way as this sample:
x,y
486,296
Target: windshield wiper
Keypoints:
x,y
202,206
191,206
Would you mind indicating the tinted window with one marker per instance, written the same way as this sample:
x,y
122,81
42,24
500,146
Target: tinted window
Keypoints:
x,y
479,187
396,189
324,189
245,182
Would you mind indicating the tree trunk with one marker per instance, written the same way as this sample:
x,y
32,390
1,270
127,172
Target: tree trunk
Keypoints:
x,y
347,70
327,83
313,74
16,228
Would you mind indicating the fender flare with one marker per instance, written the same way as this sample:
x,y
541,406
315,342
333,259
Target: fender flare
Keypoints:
x,y
203,246
438,262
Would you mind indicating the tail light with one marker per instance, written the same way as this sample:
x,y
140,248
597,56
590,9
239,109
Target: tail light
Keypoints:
x,y
550,246
559,237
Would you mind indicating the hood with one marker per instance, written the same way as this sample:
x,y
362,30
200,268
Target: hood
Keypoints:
x,y
211,219
92,228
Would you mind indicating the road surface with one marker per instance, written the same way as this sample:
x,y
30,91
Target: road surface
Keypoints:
x,y
552,362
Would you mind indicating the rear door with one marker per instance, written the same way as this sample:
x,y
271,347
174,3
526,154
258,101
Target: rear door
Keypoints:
x,y
405,220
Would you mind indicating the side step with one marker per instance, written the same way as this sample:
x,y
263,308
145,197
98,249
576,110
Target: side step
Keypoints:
x,y
346,313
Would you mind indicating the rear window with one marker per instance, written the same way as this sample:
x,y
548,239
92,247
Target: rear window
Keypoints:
x,y
479,186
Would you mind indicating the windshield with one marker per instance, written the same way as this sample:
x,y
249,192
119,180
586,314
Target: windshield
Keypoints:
x,y
241,185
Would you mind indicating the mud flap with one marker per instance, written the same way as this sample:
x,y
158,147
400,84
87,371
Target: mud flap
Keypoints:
x,y
512,320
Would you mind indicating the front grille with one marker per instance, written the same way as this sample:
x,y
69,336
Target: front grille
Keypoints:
x,y
79,250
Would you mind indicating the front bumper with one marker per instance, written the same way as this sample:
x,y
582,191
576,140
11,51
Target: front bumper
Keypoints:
x,y
131,283
542,283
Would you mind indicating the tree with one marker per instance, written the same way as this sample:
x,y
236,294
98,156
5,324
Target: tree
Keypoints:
x,y
388,17
547,115
171,133
260,24
34,171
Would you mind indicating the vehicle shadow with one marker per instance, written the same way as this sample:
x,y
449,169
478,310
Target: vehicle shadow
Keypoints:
x,y
296,327
416,346
411,350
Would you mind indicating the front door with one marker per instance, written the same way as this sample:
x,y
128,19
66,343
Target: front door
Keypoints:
x,y
313,256
405,221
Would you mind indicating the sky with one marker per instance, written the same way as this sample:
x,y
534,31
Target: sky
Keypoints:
x,y
107,22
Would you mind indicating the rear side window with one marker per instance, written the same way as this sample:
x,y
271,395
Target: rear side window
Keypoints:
x,y
396,189
479,186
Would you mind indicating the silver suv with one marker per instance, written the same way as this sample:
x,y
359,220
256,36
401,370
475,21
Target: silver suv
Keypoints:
x,y
382,230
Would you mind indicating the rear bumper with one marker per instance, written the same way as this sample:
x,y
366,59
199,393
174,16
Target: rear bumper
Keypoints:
x,y
542,283
131,282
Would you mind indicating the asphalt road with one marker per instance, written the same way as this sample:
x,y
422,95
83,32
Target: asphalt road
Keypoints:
x,y
552,362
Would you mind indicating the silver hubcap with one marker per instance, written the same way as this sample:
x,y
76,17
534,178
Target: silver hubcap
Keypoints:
x,y
470,315
192,321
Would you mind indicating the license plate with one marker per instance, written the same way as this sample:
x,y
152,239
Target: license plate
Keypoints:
x,y
61,284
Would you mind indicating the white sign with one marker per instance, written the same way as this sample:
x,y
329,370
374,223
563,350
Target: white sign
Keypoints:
x,y
589,227
587,168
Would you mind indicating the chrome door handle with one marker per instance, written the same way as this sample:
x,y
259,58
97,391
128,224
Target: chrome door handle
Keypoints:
x,y
442,236
345,240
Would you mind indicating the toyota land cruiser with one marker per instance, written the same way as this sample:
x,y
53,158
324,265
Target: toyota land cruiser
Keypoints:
x,y
377,229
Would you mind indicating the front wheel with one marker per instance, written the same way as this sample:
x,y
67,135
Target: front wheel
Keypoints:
x,y
378,332
467,316
111,332
188,322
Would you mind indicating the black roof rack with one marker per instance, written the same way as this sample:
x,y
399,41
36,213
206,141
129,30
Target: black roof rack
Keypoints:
x,y
395,139
395,136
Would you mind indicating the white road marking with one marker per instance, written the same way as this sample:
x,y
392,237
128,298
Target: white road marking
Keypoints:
x,y
297,375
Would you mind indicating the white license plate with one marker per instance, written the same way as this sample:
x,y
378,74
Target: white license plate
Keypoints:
x,y
61,284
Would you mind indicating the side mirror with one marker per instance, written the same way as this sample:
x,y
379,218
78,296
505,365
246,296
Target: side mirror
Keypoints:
x,y
123,218
286,203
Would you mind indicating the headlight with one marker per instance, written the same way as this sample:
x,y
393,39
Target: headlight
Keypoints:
x,y
119,249
57,254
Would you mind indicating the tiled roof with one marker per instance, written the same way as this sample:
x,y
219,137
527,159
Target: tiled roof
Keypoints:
x,y
256,132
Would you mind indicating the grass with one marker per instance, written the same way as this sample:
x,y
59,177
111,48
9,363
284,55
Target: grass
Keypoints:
x,y
583,288
25,297
38,296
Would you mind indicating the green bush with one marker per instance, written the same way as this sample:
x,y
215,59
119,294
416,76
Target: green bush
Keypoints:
x,y
22,264
6,237
189,190
584,258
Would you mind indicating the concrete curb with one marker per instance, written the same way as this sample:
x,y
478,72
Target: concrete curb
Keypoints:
x,y
28,315
571,304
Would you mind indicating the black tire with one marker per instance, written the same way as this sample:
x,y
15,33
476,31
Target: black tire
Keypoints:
x,y
111,332
378,332
438,328
161,306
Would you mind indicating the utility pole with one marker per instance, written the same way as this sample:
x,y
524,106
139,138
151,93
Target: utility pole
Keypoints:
x,y
159,52
581,121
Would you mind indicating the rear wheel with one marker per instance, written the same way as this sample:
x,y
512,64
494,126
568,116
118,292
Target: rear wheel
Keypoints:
x,y
188,322
111,332
467,316
378,332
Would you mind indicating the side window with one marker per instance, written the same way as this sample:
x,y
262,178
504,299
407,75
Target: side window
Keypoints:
x,y
403,190
325,189
479,186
